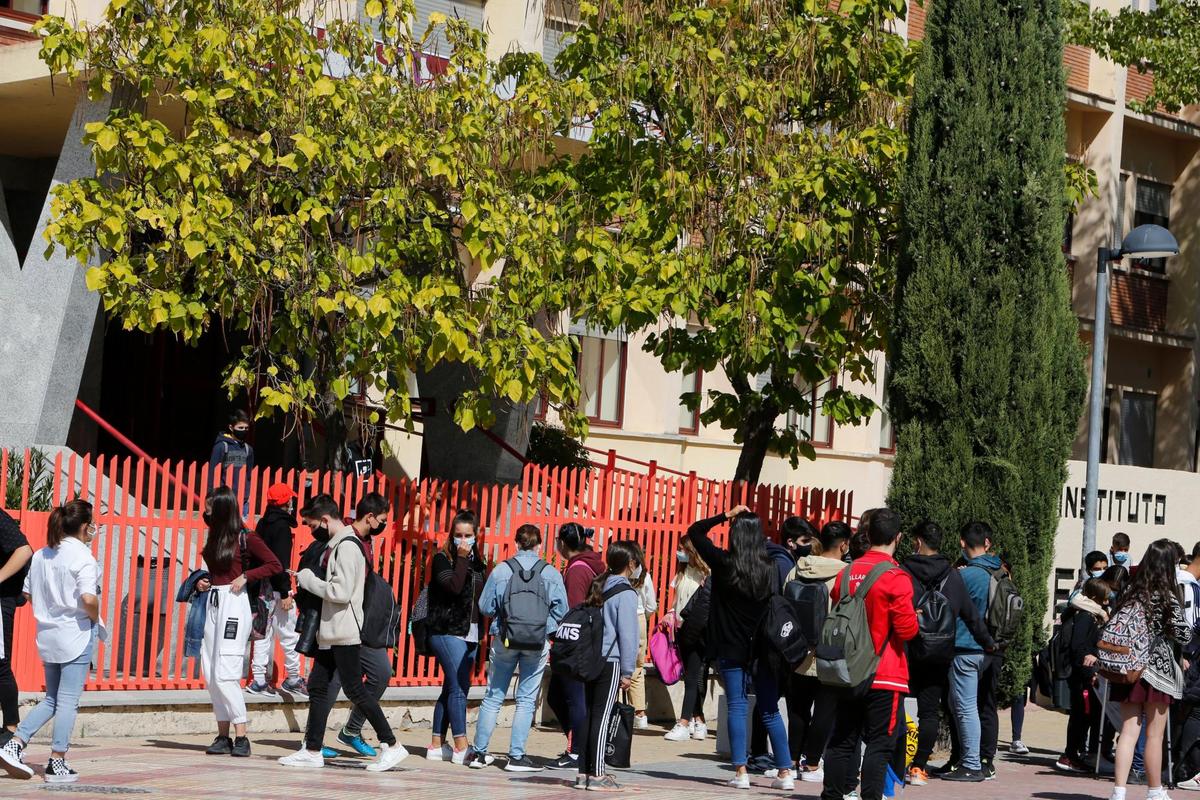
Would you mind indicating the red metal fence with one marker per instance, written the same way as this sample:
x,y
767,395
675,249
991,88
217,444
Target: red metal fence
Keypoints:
x,y
151,534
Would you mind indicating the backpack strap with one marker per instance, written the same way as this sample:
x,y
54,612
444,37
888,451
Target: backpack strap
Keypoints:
x,y
877,572
616,590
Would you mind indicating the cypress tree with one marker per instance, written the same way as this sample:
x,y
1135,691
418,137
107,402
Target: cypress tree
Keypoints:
x,y
987,369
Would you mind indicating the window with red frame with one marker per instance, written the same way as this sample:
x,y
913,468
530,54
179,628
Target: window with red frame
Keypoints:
x,y
818,426
689,421
601,368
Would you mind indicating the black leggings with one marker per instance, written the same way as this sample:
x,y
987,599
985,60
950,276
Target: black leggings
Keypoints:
x,y
929,686
1085,712
600,695
811,707
346,661
8,681
695,683
565,698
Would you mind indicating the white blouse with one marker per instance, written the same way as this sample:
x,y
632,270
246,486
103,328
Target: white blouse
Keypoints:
x,y
57,579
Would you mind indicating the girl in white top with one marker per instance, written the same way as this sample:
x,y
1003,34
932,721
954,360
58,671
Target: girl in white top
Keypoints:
x,y
64,586
647,604
690,574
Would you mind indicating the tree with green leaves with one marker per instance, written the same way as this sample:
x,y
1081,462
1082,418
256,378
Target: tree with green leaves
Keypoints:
x,y
315,186
987,368
738,197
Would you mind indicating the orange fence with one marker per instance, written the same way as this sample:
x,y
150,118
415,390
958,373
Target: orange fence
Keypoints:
x,y
151,534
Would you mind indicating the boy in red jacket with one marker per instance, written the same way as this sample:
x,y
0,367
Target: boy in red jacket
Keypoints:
x,y
873,717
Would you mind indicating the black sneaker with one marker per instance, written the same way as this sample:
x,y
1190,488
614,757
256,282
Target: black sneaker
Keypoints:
x,y
989,771
522,764
565,761
964,775
938,772
478,759
5,735
241,747
221,746
59,771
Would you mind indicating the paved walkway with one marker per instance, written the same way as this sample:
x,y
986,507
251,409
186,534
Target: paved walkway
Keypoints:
x,y
178,770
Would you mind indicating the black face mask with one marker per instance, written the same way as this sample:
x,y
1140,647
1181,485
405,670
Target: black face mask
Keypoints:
x,y
802,550
240,435
321,533
846,557
378,529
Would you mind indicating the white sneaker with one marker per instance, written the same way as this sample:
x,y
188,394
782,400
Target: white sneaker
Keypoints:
x,y
1191,784
641,722
1018,748
458,756
443,753
389,756
812,775
679,733
12,760
740,781
1162,794
787,783
304,758
771,773
852,796
699,731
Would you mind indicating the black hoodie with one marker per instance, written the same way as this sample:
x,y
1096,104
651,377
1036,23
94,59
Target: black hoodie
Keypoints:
x,y
275,528
783,560
928,572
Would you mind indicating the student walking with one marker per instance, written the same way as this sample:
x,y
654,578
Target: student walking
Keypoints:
x,y
526,599
613,592
234,455
744,578
929,662
647,604
339,639
565,695
63,583
454,627
1151,605
689,616
275,528
871,716
228,551
15,554
1080,628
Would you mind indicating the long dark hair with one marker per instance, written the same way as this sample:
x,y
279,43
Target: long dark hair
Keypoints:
x,y
465,516
225,525
1117,578
750,568
69,519
1154,584
639,558
617,559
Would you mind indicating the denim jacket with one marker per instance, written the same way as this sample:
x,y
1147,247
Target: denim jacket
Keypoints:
x,y
193,631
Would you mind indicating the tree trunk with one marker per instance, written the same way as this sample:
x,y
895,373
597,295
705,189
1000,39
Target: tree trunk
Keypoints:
x,y
755,432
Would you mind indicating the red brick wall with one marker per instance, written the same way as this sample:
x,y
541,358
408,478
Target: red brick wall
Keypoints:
x,y
916,21
1078,61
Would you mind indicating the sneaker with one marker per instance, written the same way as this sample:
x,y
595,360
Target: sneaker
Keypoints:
x,y
1018,748
357,743
787,783
442,753
581,782
221,746
1159,794
241,747
773,772
699,731
296,686
390,757
458,756
606,784
815,775
566,761
522,764
851,795
304,758
680,733
59,771
261,688
329,752
917,777
1137,777
641,722
740,781
989,771
1071,764
1191,784
5,735
938,772
12,760
964,775
478,759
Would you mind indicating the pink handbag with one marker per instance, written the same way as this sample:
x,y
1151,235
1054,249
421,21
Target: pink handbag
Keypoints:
x,y
664,654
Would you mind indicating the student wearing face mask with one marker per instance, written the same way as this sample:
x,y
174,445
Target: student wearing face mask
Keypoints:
x,y
1119,551
647,604
275,528
689,614
234,455
455,626
1094,565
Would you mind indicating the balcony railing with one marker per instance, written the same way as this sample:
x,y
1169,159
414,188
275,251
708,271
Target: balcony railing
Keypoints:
x,y
1138,300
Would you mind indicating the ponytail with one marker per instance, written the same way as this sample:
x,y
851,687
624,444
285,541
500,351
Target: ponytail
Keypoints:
x,y
67,520
617,558
595,595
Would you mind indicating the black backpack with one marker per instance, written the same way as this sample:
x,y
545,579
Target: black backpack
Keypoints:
x,y
380,626
578,648
1059,648
692,633
781,635
810,600
1005,609
937,627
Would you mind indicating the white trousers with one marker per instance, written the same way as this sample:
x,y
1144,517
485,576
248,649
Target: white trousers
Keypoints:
x,y
282,625
222,658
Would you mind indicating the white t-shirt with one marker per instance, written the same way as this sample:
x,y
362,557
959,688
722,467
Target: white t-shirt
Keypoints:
x,y
57,579
647,599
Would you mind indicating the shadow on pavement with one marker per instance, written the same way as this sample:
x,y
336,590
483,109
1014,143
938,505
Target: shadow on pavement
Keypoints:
x,y
168,744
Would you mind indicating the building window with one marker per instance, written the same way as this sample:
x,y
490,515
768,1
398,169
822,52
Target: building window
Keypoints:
x,y
1138,412
689,421
601,369
1152,207
818,426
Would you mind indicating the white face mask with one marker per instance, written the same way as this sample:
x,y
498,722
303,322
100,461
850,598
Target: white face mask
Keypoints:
x,y
637,572
460,541
682,556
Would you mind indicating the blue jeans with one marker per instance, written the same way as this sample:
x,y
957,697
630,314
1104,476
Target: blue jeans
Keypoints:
x,y
502,663
457,660
64,684
766,689
964,701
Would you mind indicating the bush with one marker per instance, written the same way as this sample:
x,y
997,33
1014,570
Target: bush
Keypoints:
x,y
550,446
41,481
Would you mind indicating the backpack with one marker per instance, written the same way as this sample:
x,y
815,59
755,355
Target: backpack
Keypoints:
x,y
1060,646
937,627
1005,609
525,608
781,635
810,599
380,625
578,648
846,654
692,631
1124,647
418,624
260,612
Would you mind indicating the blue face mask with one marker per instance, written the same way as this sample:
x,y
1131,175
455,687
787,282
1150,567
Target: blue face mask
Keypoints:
x,y
1121,557
682,557
1096,573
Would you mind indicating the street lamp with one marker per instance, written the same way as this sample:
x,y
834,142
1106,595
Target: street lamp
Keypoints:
x,y
1144,241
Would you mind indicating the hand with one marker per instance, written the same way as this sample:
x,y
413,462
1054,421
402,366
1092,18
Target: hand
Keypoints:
x,y
1089,660
464,550
286,603
237,584
733,512
626,683
291,572
203,585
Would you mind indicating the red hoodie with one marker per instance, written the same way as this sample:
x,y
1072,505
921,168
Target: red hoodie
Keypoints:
x,y
581,570
890,614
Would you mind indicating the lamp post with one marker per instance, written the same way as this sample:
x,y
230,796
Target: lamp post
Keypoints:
x,y
1144,241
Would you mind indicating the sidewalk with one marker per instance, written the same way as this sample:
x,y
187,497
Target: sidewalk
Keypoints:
x,y
178,769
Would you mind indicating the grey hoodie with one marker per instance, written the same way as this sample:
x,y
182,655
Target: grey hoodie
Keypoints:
x,y
621,626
